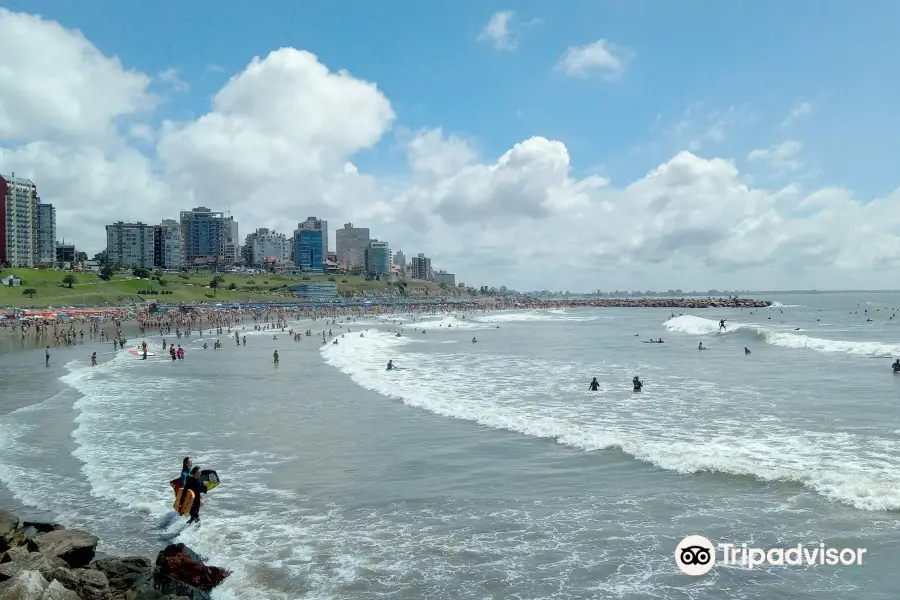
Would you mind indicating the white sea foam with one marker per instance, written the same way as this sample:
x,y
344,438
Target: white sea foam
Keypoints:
x,y
678,424
693,325
534,316
777,304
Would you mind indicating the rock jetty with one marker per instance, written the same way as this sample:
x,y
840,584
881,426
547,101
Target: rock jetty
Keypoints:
x,y
655,303
46,561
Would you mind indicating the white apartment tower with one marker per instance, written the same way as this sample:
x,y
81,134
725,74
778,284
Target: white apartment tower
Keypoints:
x,y
18,221
263,244
168,245
351,244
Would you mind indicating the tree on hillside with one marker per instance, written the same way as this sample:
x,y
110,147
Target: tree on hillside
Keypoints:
x,y
69,280
30,292
106,272
215,283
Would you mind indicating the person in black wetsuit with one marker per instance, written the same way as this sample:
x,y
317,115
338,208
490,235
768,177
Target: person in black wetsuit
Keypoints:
x,y
390,366
595,385
194,484
896,366
637,383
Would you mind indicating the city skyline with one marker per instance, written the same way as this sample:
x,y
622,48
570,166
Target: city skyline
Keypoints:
x,y
578,147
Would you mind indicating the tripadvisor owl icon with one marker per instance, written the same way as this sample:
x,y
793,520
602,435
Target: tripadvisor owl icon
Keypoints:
x,y
695,555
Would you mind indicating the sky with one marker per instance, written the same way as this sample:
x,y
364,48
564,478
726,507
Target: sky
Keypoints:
x,y
578,145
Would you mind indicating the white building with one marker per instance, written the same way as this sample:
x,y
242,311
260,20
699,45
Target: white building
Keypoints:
x,y
130,245
421,267
315,224
264,246
18,221
399,259
351,244
442,277
46,234
168,245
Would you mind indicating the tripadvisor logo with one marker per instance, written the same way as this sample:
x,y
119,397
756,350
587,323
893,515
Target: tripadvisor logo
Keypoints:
x,y
696,555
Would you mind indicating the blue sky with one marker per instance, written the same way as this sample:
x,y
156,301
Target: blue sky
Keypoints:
x,y
426,57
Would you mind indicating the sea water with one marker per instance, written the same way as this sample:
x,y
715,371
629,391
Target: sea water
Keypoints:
x,y
486,469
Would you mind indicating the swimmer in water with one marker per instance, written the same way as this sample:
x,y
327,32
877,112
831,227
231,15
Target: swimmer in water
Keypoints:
x,y
896,366
700,347
595,385
390,366
746,350
474,340
637,383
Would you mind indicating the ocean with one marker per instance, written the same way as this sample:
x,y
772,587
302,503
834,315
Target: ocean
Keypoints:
x,y
488,469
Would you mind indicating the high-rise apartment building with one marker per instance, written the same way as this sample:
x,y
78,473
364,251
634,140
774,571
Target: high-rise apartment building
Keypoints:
x,y
378,259
399,259
351,243
168,243
264,246
421,267
315,224
208,237
46,235
308,249
130,245
18,221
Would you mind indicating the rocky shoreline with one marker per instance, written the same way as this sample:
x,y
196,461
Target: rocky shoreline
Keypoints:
x,y
46,561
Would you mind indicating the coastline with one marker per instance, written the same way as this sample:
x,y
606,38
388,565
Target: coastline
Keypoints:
x,y
52,323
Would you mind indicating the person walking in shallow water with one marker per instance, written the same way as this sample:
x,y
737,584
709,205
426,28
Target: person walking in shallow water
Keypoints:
x,y
275,357
47,357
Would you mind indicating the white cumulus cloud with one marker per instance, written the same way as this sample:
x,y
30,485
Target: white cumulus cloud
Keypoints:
x,y
601,57
498,32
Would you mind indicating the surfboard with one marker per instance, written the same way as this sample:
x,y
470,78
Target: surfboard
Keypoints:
x,y
139,352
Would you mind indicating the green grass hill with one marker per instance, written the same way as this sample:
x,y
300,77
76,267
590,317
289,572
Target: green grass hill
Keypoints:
x,y
89,289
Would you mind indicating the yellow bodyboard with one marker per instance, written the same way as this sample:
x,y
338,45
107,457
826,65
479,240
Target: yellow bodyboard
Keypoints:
x,y
184,499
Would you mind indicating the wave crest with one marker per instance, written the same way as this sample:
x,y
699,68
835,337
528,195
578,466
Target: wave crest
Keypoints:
x,y
693,325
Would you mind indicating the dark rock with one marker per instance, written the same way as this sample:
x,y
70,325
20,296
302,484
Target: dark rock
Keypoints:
x,y
14,553
125,574
8,522
26,585
42,527
89,584
74,547
179,571
45,565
